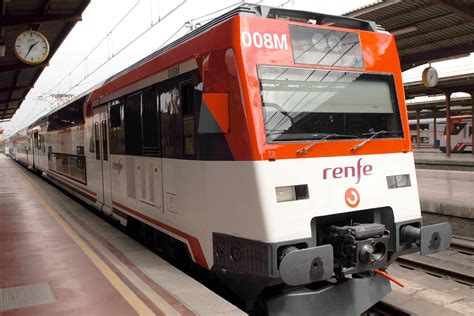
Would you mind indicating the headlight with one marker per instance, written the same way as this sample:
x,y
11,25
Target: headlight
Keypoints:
x,y
292,193
398,181
285,194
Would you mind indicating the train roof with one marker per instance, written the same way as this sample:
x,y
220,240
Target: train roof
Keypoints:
x,y
261,11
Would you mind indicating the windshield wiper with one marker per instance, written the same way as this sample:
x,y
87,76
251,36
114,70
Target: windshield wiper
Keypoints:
x,y
304,150
374,135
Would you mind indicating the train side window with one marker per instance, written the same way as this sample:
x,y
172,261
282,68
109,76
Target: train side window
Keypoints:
x,y
104,140
37,138
187,101
91,140
116,129
150,133
97,141
133,124
43,142
71,115
171,121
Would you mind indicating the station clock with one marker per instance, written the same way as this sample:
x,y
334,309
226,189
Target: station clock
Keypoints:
x,y
430,77
31,47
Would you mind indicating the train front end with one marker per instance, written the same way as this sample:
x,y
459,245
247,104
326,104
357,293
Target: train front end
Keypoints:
x,y
336,177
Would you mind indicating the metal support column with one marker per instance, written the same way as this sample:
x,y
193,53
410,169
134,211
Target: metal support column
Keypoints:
x,y
435,114
472,123
448,124
418,145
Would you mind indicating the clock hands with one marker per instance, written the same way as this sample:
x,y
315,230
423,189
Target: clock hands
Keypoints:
x,y
31,47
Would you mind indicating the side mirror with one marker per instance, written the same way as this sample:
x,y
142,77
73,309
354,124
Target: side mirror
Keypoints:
x,y
214,116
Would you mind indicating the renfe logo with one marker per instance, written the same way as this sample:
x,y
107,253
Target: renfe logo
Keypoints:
x,y
348,171
352,197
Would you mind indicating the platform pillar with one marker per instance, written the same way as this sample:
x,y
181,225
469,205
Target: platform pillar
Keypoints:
x,y
472,123
448,124
418,145
435,114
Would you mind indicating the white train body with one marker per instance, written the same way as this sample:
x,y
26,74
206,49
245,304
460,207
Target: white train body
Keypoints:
x,y
180,143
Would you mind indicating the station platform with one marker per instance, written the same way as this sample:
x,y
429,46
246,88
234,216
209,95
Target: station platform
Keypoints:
x,y
430,158
59,258
448,195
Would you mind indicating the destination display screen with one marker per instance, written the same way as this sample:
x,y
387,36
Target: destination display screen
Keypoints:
x,y
317,46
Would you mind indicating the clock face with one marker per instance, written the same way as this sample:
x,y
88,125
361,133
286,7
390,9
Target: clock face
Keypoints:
x,y
430,77
31,47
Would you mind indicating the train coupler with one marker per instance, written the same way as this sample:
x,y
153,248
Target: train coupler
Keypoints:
x,y
359,247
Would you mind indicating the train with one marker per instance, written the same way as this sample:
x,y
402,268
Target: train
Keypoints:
x,y
270,147
461,133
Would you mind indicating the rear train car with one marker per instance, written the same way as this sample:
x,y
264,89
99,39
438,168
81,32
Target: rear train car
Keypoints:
x,y
272,145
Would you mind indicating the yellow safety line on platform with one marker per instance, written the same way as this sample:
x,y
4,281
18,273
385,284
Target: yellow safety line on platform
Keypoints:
x,y
137,304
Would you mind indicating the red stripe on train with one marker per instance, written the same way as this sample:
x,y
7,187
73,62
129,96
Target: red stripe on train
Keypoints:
x,y
193,241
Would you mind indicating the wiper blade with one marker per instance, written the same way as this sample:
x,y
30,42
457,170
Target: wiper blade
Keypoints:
x,y
382,132
374,135
304,150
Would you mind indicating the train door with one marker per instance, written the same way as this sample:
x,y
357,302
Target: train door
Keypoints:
x,y
178,108
149,176
104,191
142,147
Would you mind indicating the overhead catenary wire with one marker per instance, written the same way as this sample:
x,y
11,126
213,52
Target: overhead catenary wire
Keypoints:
x,y
105,38
126,46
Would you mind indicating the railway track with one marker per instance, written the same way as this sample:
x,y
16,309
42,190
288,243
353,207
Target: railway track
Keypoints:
x,y
385,309
464,245
455,262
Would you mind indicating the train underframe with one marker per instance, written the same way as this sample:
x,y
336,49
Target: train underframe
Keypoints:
x,y
333,271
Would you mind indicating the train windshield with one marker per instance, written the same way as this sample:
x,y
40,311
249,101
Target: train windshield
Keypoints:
x,y
309,104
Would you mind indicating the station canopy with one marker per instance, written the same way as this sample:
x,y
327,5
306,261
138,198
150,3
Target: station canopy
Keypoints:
x,y
54,19
452,84
425,30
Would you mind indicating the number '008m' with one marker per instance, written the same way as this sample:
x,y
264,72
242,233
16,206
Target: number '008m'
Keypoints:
x,y
267,40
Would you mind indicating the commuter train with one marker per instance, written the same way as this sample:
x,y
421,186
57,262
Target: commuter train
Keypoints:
x,y
272,145
461,133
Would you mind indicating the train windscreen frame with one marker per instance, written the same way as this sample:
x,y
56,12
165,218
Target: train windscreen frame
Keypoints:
x,y
309,104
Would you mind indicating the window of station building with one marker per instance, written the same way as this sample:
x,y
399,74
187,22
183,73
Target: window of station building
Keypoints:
x,y
116,128
133,124
150,132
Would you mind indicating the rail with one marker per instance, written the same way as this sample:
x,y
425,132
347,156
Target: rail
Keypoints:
x,y
384,309
440,265
463,245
